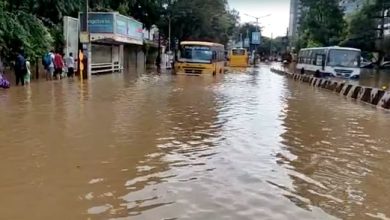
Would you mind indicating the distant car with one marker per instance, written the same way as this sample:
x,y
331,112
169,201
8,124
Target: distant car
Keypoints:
x,y
366,64
385,65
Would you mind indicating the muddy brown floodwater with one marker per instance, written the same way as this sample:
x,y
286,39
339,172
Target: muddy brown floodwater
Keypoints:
x,y
246,145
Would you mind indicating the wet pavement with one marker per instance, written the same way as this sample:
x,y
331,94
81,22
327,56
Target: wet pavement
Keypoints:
x,y
249,144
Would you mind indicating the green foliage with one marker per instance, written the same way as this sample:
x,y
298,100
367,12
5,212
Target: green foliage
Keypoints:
x,y
36,25
275,45
20,30
312,43
200,20
322,23
361,31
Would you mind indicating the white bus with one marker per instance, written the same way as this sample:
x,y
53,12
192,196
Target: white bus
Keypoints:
x,y
330,61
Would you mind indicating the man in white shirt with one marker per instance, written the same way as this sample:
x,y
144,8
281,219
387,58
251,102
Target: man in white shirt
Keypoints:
x,y
70,64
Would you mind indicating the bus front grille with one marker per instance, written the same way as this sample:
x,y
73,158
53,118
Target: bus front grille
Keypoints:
x,y
193,71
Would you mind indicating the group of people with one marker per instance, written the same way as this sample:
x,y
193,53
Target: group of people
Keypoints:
x,y
55,65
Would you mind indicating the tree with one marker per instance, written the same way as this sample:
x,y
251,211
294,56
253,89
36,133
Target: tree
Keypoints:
x,y
200,20
36,25
322,23
364,29
20,30
361,31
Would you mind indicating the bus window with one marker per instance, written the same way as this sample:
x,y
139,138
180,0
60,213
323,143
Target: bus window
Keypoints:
x,y
301,57
200,53
238,52
313,56
306,59
344,58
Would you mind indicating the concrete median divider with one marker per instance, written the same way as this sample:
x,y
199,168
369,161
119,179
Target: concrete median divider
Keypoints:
x,y
374,96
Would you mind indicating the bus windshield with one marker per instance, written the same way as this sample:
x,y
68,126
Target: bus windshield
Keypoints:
x,y
196,54
344,58
238,52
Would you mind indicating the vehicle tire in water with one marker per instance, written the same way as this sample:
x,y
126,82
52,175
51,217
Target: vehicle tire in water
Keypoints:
x,y
317,74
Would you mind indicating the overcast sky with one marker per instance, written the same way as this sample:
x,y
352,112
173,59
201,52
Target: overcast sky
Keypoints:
x,y
277,23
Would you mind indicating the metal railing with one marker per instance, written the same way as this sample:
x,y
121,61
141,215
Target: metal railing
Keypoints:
x,y
100,68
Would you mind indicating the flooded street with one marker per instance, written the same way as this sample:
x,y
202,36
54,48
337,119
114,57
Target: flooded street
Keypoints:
x,y
375,78
245,145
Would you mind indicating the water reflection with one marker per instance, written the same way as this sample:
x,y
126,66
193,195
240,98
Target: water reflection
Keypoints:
x,y
335,153
375,78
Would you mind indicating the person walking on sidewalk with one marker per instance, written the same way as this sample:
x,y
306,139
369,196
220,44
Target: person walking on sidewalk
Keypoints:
x,y
70,64
20,68
58,66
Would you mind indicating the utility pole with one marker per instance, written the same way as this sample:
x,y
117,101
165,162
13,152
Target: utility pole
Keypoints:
x,y
241,40
385,9
270,45
169,32
158,61
85,50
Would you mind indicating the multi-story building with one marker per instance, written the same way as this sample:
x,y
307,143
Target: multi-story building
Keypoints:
x,y
349,7
352,6
295,17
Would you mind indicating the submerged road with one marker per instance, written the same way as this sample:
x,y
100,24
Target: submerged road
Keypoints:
x,y
245,145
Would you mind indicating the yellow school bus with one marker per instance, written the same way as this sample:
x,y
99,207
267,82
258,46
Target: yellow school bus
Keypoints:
x,y
197,58
238,57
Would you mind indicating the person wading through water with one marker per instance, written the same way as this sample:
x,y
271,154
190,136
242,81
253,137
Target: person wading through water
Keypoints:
x,y
70,64
20,68
58,66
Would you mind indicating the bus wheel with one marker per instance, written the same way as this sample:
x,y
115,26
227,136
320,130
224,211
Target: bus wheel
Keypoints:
x,y
302,71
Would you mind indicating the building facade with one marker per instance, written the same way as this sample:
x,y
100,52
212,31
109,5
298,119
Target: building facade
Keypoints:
x,y
295,17
296,12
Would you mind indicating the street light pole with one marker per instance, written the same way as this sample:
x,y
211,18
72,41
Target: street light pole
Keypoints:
x,y
242,42
169,33
89,47
84,58
158,61
270,45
